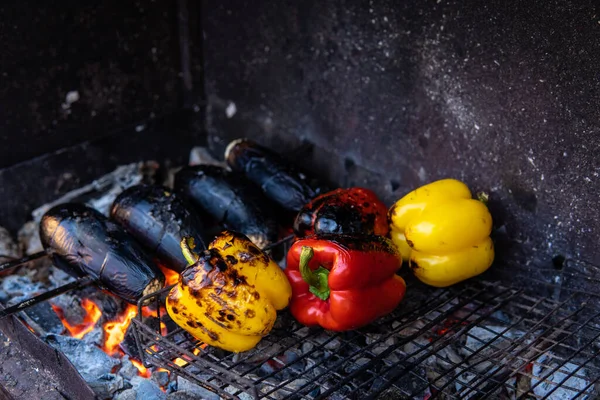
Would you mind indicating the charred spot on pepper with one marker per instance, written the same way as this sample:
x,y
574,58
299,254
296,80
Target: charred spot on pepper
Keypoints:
x,y
192,324
254,250
250,314
230,317
212,335
256,295
231,259
175,310
227,245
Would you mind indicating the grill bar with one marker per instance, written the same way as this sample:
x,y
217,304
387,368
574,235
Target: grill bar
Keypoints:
x,y
478,339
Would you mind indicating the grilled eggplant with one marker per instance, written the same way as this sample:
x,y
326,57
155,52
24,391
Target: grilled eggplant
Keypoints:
x,y
83,242
158,219
280,180
230,200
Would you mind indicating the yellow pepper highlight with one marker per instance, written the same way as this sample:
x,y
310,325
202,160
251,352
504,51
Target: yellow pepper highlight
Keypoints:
x,y
443,232
229,296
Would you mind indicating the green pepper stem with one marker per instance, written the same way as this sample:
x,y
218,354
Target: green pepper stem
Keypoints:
x,y
187,248
483,197
317,279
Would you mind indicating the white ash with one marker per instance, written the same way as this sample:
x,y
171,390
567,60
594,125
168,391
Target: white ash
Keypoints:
x,y
127,394
184,385
18,286
89,360
493,338
202,156
147,389
29,238
106,386
101,193
568,389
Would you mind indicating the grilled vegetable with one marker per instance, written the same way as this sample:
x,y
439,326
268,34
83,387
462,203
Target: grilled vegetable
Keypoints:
x,y
277,178
84,242
158,219
343,211
229,296
233,202
446,231
343,283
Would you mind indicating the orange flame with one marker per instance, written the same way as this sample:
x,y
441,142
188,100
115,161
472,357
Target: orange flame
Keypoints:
x,y
171,277
92,315
114,331
142,371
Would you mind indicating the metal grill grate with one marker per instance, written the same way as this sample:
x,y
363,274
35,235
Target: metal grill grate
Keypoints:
x,y
476,340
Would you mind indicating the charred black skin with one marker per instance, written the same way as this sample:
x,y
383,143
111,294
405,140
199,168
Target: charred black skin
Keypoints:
x,y
83,242
158,219
230,200
279,179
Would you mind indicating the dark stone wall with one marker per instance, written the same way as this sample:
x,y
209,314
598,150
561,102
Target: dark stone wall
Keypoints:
x,y
503,95
135,103
122,57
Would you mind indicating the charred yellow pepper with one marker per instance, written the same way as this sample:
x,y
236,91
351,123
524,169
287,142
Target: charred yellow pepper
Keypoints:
x,y
229,295
443,232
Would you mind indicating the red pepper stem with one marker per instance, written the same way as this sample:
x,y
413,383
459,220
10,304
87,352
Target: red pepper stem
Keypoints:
x,y
317,279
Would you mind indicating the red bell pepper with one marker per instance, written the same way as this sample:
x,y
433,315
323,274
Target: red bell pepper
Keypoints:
x,y
348,211
343,283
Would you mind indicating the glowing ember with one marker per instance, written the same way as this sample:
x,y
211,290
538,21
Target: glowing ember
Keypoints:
x,y
180,362
142,371
92,315
114,331
171,277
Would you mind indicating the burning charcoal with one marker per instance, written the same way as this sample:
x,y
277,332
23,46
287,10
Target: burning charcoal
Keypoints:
x,y
185,395
106,385
147,389
41,318
89,360
70,308
8,248
183,385
128,394
58,277
328,342
355,365
493,339
161,378
266,350
566,389
447,358
307,347
381,347
128,370
95,336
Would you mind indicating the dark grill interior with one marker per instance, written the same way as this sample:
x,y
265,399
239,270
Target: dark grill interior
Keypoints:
x,y
503,96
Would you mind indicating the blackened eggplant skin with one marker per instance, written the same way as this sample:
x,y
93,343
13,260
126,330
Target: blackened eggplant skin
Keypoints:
x,y
279,179
83,242
158,219
230,200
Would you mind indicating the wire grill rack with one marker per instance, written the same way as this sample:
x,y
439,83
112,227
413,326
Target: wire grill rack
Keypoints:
x,y
475,340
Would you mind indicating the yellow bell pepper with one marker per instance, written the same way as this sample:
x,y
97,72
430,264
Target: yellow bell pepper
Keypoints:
x,y
229,295
443,232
